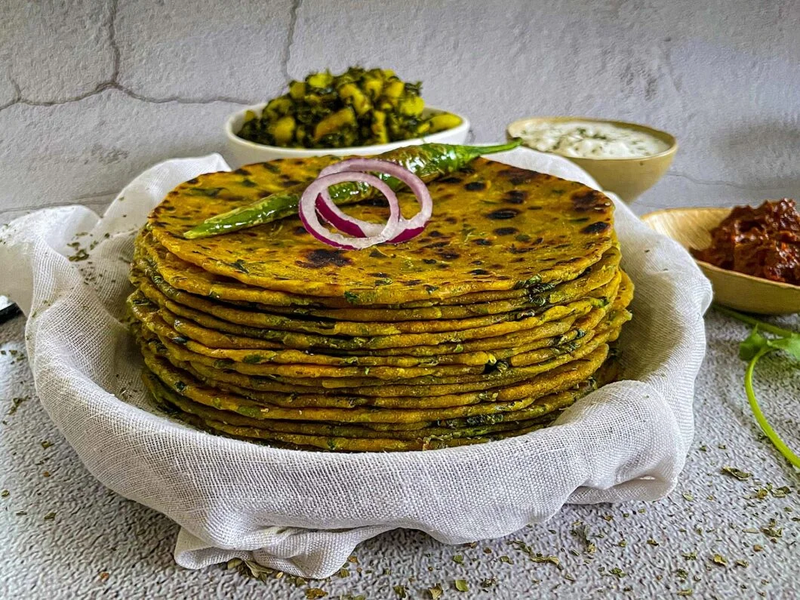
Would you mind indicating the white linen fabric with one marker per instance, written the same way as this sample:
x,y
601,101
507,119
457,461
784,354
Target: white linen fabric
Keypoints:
x,y
304,512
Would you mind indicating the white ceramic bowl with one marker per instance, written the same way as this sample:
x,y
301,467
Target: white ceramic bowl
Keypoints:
x,y
241,152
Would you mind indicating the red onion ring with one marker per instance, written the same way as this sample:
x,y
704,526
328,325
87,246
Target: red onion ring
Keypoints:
x,y
409,228
343,222
310,219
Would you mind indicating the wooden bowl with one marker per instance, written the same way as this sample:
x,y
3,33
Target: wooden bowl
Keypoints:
x,y
690,227
626,177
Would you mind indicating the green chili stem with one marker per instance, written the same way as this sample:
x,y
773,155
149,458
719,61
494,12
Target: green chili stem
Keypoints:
x,y
755,322
760,418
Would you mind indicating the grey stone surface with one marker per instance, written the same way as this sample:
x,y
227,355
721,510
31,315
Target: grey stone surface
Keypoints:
x,y
78,539
91,93
56,50
86,151
232,50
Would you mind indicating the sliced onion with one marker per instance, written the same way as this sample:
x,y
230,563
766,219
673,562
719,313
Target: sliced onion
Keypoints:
x,y
409,228
310,219
344,222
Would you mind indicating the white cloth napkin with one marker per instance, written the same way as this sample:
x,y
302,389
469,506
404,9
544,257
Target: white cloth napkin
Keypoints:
x,y
304,512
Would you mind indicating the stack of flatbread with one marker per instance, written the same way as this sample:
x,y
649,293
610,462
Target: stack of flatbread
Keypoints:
x,y
501,314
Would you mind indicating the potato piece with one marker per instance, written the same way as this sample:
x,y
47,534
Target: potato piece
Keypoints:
x,y
378,127
334,122
353,96
443,121
423,128
373,87
278,107
411,106
393,90
320,81
297,89
283,130
300,135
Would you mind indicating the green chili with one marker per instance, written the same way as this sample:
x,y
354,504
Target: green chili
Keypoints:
x,y
427,161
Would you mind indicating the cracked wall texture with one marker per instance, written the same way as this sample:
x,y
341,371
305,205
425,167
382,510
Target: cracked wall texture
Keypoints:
x,y
92,92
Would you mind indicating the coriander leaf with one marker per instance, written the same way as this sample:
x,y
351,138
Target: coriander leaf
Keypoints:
x,y
752,345
790,345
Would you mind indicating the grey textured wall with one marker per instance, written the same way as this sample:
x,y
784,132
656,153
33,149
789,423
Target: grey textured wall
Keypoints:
x,y
92,92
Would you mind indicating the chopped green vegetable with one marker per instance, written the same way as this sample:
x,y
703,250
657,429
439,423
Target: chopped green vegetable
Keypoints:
x,y
360,107
752,349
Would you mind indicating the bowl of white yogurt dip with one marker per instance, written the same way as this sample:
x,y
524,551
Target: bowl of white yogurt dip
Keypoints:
x,y
624,158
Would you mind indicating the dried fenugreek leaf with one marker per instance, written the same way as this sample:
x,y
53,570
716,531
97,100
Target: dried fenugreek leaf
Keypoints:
x,y
736,473
436,591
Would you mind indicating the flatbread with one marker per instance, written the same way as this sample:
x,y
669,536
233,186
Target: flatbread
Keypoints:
x,y
181,382
302,340
494,228
189,278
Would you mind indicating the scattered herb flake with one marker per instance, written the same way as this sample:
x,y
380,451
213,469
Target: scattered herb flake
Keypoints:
x,y
16,402
652,542
461,585
719,560
458,559
435,591
688,496
690,555
536,557
772,532
315,593
50,516
400,590
737,473
686,592
781,492
616,571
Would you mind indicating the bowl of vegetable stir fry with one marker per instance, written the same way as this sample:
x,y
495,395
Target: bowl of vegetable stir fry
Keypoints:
x,y
360,112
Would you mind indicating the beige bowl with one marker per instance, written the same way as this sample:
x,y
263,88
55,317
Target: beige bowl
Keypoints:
x,y
626,177
690,227
242,152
